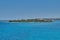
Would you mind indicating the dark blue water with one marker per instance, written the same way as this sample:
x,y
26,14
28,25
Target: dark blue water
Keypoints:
x,y
30,31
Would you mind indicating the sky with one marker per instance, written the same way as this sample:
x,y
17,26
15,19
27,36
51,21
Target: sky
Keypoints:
x,y
26,9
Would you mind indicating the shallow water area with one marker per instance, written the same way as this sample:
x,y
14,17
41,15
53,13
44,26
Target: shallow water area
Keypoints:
x,y
30,31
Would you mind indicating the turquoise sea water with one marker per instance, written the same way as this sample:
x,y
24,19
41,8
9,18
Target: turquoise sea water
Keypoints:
x,y
30,31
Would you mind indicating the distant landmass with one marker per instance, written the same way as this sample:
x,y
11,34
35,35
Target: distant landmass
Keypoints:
x,y
32,20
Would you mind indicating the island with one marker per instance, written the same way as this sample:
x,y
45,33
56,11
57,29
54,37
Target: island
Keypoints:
x,y
32,20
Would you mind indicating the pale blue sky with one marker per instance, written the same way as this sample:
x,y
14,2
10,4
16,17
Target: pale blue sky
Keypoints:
x,y
23,9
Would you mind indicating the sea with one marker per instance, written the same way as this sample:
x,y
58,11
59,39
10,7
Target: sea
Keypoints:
x,y
30,30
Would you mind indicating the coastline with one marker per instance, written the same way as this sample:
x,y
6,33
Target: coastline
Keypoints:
x,y
32,20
